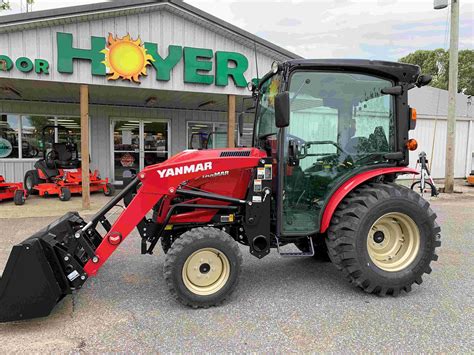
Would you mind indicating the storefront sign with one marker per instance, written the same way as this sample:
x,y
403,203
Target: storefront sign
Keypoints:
x,y
128,59
5,148
25,65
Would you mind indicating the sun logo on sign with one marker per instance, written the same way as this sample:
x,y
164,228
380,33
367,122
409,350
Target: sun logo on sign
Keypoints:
x,y
126,58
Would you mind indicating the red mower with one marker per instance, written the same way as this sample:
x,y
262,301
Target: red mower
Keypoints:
x,y
59,172
12,190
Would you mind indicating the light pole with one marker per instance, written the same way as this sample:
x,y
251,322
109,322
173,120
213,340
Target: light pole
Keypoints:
x,y
452,91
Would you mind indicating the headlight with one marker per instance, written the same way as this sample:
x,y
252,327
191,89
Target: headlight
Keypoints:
x,y
276,67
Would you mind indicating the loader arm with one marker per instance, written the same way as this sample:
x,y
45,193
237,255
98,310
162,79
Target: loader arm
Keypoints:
x,y
59,259
158,181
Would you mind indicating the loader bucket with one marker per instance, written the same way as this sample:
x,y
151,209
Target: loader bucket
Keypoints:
x,y
36,276
28,287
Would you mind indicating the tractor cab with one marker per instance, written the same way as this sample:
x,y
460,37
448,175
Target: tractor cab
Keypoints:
x,y
325,121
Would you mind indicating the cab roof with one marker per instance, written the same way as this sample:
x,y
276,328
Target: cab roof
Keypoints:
x,y
400,72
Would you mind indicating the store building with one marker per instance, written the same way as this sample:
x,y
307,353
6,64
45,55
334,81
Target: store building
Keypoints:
x,y
156,72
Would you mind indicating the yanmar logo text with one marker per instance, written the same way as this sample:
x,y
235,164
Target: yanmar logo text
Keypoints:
x,y
186,169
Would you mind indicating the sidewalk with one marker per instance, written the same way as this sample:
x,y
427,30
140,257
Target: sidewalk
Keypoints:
x,y
50,207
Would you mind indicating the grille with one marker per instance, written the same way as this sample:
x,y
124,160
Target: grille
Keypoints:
x,y
240,153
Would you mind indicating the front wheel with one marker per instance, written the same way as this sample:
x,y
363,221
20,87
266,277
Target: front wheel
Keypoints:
x,y
109,189
202,267
383,237
65,194
19,197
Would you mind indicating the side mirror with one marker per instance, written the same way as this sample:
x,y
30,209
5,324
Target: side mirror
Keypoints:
x,y
423,80
282,109
241,124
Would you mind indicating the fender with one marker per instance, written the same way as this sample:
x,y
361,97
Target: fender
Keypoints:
x,y
350,185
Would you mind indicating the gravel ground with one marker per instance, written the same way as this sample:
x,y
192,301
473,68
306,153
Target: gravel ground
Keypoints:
x,y
281,305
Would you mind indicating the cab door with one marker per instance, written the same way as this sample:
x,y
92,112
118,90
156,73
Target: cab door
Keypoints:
x,y
339,122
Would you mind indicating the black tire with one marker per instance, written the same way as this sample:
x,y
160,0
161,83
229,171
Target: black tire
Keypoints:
x,y
348,237
186,246
429,190
109,189
165,244
65,194
19,197
31,180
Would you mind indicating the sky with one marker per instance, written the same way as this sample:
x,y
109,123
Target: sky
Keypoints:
x,y
373,29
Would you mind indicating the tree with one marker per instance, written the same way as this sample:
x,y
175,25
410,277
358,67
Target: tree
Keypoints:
x,y
436,63
4,5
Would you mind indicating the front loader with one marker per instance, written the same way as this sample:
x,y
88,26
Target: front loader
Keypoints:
x,y
330,139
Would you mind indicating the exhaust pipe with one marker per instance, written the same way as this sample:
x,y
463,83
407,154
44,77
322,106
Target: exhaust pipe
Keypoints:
x,y
44,268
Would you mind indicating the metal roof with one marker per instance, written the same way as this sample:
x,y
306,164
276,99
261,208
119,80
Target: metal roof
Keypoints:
x,y
19,22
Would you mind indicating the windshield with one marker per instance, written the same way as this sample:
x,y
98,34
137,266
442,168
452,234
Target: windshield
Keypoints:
x,y
265,118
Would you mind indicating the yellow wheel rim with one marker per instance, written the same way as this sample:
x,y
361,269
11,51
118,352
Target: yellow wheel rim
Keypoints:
x,y
393,241
206,271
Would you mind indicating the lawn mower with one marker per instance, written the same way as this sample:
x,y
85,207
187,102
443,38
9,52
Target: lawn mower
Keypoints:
x,y
12,190
330,139
470,178
59,171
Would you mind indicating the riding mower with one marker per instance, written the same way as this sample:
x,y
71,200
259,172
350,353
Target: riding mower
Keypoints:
x,y
12,190
59,171
470,178
300,183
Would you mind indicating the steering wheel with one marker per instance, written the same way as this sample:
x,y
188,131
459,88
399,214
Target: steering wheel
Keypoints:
x,y
50,159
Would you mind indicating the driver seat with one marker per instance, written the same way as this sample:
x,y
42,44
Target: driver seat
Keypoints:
x,y
64,156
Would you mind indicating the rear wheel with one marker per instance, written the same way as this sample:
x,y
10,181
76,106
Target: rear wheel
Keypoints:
x,y
383,237
202,267
19,197
31,180
65,194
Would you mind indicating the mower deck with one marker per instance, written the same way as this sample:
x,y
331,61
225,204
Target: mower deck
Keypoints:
x,y
51,188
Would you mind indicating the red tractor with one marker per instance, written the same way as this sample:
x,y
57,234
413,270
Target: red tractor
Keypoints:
x,y
59,171
330,139
12,190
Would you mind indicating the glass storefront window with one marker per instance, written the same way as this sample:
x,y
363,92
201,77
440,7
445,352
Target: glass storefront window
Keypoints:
x,y
21,136
9,142
204,135
73,131
31,135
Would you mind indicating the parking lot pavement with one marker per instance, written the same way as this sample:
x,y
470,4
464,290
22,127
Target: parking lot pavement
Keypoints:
x,y
281,305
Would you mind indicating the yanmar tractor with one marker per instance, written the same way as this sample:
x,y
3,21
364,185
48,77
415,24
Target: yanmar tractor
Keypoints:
x,y
331,137
59,171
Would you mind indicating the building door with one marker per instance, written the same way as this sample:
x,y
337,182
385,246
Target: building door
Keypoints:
x,y
137,144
